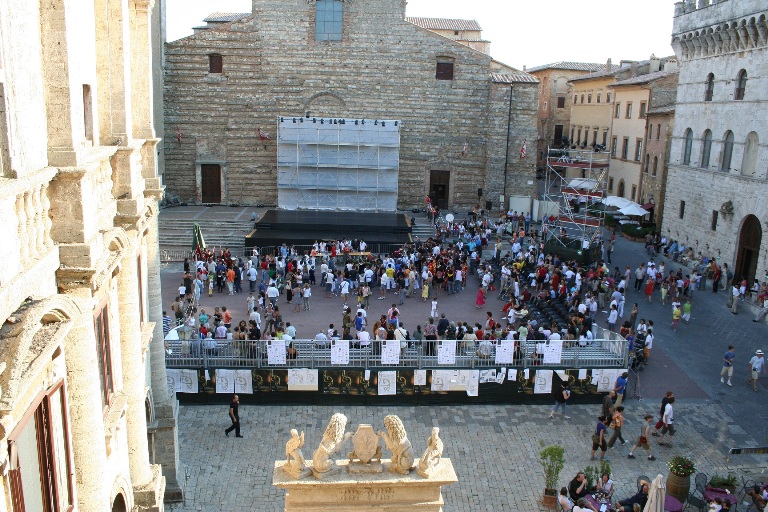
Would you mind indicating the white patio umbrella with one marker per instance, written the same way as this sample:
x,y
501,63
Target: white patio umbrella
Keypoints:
x,y
633,209
618,202
656,495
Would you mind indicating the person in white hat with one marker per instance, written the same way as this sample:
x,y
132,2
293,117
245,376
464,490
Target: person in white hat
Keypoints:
x,y
756,365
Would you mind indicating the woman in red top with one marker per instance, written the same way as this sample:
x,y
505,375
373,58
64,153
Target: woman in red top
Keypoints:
x,y
649,289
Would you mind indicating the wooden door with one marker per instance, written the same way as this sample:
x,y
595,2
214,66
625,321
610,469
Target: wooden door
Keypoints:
x,y
439,182
211,183
750,238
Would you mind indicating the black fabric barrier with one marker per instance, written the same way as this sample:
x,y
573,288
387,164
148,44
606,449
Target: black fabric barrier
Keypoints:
x,y
349,387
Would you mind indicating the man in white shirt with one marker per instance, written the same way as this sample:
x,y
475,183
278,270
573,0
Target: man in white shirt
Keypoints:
x,y
648,345
272,294
669,423
364,339
756,365
458,280
256,317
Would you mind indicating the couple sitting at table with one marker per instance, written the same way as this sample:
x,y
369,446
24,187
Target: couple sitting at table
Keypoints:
x,y
578,492
636,502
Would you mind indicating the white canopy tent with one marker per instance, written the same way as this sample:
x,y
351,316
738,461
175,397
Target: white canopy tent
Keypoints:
x,y
634,210
618,202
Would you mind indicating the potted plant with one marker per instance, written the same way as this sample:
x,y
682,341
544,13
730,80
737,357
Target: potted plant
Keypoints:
x,y
552,461
727,483
679,478
594,473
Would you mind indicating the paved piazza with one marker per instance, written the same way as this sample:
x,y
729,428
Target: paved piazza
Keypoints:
x,y
494,448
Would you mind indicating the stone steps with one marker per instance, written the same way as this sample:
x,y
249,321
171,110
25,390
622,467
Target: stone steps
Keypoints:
x,y
176,234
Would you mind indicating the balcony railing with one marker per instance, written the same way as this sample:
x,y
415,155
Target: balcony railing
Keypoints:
x,y
603,353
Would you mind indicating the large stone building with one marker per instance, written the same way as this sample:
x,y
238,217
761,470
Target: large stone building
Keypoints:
x,y
554,113
718,163
632,99
85,414
385,111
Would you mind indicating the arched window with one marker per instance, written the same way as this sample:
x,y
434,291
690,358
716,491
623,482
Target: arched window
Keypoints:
x,y
647,159
725,162
741,85
687,147
706,149
621,188
709,88
750,155
655,165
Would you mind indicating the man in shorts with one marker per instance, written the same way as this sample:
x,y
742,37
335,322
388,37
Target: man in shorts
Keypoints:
x,y
756,365
728,365
642,441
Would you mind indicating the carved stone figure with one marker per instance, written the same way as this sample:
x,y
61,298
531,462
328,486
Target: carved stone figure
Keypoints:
x,y
432,454
296,465
397,442
365,448
333,439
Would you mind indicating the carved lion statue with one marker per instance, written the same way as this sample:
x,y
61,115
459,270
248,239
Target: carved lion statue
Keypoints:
x,y
333,439
397,442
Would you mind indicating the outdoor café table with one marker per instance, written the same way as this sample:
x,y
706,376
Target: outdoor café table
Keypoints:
x,y
711,493
590,498
671,504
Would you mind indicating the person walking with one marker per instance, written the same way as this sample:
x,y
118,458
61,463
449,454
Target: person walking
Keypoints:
x,y
648,345
561,400
728,365
616,423
668,428
642,441
756,365
735,298
234,415
649,285
620,388
664,401
598,439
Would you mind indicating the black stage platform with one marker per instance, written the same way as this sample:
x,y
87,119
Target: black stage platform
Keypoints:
x,y
304,227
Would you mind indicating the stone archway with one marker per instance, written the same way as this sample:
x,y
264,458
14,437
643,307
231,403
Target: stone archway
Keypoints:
x,y
748,252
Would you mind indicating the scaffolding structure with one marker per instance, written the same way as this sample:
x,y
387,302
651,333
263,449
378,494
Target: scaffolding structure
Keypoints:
x,y
575,185
337,164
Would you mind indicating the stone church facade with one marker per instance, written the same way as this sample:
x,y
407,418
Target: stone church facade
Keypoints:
x,y
86,420
463,116
718,162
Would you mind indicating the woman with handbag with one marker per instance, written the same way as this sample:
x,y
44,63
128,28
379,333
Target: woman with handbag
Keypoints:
x,y
598,439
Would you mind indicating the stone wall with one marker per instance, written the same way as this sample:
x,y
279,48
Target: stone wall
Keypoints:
x,y
79,207
383,68
706,190
657,144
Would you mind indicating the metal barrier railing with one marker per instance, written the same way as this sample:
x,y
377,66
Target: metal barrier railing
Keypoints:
x,y
603,353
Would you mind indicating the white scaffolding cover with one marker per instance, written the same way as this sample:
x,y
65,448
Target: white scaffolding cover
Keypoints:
x,y
337,166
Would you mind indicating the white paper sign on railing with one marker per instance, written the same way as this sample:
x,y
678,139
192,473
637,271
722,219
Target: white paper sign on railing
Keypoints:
x,y
390,352
446,352
276,352
553,352
387,382
543,382
225,381
181,381
340,352
473,386
420,377
302,379
505,352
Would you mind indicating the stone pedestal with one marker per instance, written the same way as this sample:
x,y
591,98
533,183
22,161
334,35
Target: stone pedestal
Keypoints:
x,y
343,492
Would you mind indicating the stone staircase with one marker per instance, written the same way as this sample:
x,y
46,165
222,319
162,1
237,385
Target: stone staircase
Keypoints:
x,y
176,234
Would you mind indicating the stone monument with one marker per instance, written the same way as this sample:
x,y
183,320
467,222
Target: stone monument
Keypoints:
x,y
354,485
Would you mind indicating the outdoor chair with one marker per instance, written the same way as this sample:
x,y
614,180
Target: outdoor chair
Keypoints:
x,y
701,483
695,501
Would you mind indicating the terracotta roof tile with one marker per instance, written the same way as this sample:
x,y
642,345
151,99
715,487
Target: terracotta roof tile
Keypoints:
x,y
444,23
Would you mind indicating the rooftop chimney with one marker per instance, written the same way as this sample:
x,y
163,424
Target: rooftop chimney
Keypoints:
x,y
608,66
524,67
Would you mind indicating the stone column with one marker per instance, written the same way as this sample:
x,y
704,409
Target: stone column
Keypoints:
x,y
141,68
133,368
86,415
165,405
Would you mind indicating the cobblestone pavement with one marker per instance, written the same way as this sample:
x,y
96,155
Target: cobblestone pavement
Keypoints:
x,y
494,448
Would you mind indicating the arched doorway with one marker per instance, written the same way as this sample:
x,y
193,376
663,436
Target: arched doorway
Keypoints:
x,y
749,248
119,504
621,188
